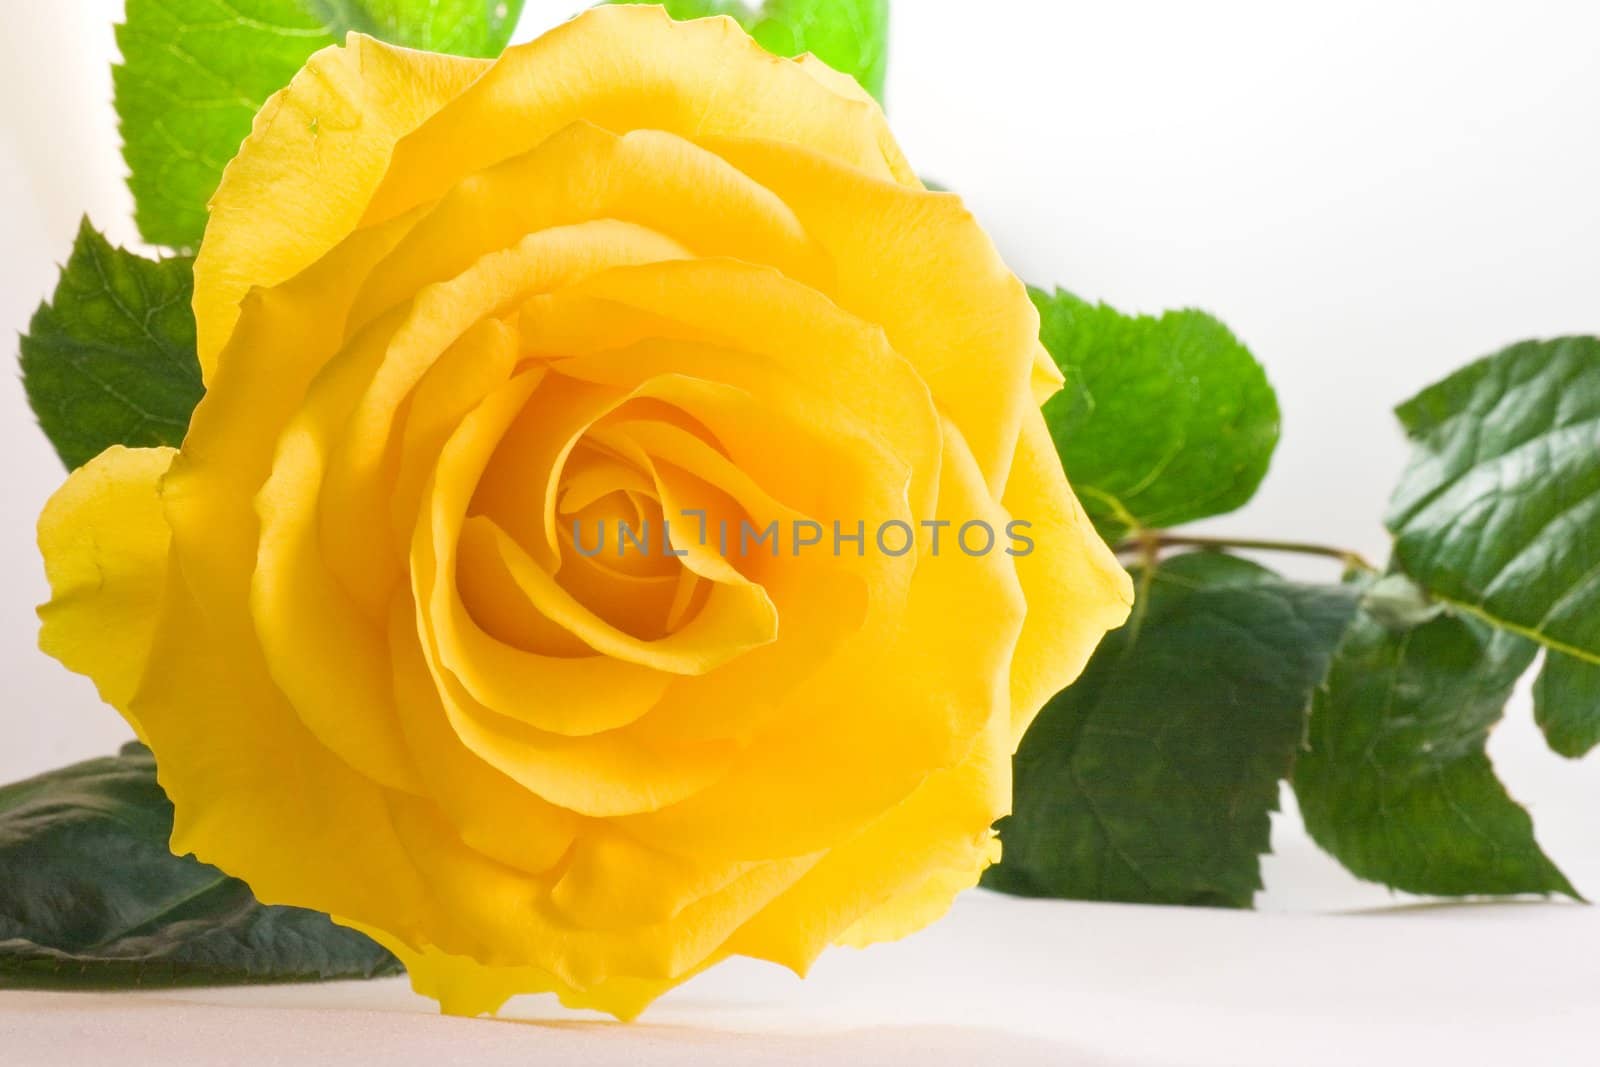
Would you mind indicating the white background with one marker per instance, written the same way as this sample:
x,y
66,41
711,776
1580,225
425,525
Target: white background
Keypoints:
x,y
1370,193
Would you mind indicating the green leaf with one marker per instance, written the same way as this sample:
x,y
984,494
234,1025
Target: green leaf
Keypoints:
x,y
460,27
1152,779
849,35
1163,420
1498,513
1395,783
110,358
1566,704
90,895
195,72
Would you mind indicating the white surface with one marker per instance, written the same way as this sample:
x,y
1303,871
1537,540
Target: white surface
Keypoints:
x,y
1370,193
1001,981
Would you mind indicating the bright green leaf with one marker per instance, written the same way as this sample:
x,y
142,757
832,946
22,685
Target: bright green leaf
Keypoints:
x,y
1162,421
194,73
110,359
849,35
1395,782
90,896
1152,778
1499,510
1566,703
460,27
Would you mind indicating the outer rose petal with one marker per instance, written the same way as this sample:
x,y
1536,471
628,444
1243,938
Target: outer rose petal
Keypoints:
x,y
920,906
105,552
1075,588
317,150
633,68
283,337
898,873
847,87
463,986
124,617
253,791
503,917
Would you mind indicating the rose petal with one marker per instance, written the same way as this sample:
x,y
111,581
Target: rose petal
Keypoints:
x,y
316,152
105,546
632,68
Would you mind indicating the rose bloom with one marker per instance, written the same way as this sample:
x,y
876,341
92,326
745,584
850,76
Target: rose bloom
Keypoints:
x,y
446,307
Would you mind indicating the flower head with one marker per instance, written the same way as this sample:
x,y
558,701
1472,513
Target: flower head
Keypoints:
x,y
457,319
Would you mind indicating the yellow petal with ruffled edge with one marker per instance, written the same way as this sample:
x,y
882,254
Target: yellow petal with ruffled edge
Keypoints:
x,y
504,918
846,86
463,986
630,68
105,542
271,805
916,908
316,152
283,338
893,876
1075,588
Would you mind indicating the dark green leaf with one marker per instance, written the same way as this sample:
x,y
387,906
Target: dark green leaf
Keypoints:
x,y
1163,420
849,35
90,895
1153,777
195,72
1395,783
1566,703
110,359
1499,510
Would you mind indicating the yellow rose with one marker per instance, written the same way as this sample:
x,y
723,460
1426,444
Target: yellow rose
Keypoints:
x,y
454,314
